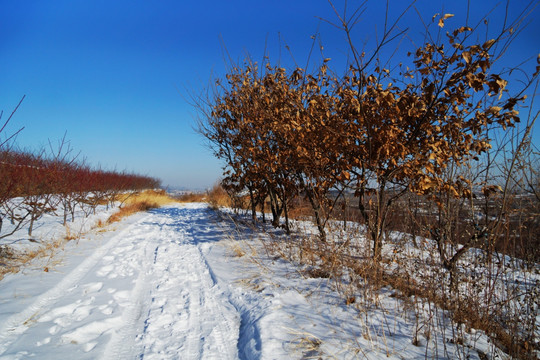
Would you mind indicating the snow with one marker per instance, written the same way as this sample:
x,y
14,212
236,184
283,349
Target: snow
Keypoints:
x,y
182,282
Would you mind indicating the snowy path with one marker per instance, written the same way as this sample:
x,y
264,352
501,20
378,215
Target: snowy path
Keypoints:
x,y
146,293
181,283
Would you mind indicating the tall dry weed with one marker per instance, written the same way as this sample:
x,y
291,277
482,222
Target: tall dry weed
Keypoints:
x,y
217,197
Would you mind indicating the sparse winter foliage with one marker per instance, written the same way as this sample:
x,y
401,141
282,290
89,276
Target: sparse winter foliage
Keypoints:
x,y
54,180
418,132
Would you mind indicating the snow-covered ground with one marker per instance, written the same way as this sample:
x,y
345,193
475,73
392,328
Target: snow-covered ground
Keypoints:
x,y
180,283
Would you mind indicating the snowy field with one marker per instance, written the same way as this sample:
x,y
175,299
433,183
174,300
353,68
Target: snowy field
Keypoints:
x,y
179,282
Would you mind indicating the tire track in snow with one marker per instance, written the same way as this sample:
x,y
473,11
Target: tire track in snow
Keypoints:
x,y
213,304
185,315
213,325
118,348
18,323
149,291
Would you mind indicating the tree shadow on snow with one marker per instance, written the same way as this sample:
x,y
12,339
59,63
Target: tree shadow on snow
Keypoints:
x,y
199,224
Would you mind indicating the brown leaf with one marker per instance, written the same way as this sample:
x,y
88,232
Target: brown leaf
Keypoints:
x,y
467,57
488,44
441,20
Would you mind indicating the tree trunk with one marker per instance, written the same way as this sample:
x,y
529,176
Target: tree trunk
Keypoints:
x,y
30,227
262,211
253,205
66,208
276,209
377,245
286,212
315,205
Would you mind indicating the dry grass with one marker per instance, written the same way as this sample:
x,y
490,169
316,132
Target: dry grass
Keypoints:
x,y
158,197
191,197
237,250
12,261
7,263
423,295
307,344
136,202
71,235
131,209
299,210
217,197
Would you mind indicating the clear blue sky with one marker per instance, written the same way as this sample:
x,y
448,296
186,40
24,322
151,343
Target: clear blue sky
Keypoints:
x,y
114,75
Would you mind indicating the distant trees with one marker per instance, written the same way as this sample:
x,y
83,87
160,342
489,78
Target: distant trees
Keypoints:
x,y
34,183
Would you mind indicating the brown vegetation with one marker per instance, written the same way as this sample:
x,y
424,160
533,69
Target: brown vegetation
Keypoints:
x,y
415,147
54,181
137,202
191,197
217,197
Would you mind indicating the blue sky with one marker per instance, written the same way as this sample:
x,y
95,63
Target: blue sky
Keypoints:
x,y
114,75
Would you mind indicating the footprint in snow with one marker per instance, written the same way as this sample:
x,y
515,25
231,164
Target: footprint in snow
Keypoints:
x,y
92,287
43,342
86,334
104,271
122,298
106,309
64,316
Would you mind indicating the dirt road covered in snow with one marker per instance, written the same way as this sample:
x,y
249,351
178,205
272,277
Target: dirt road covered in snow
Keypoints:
x,y
181,283
144,290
